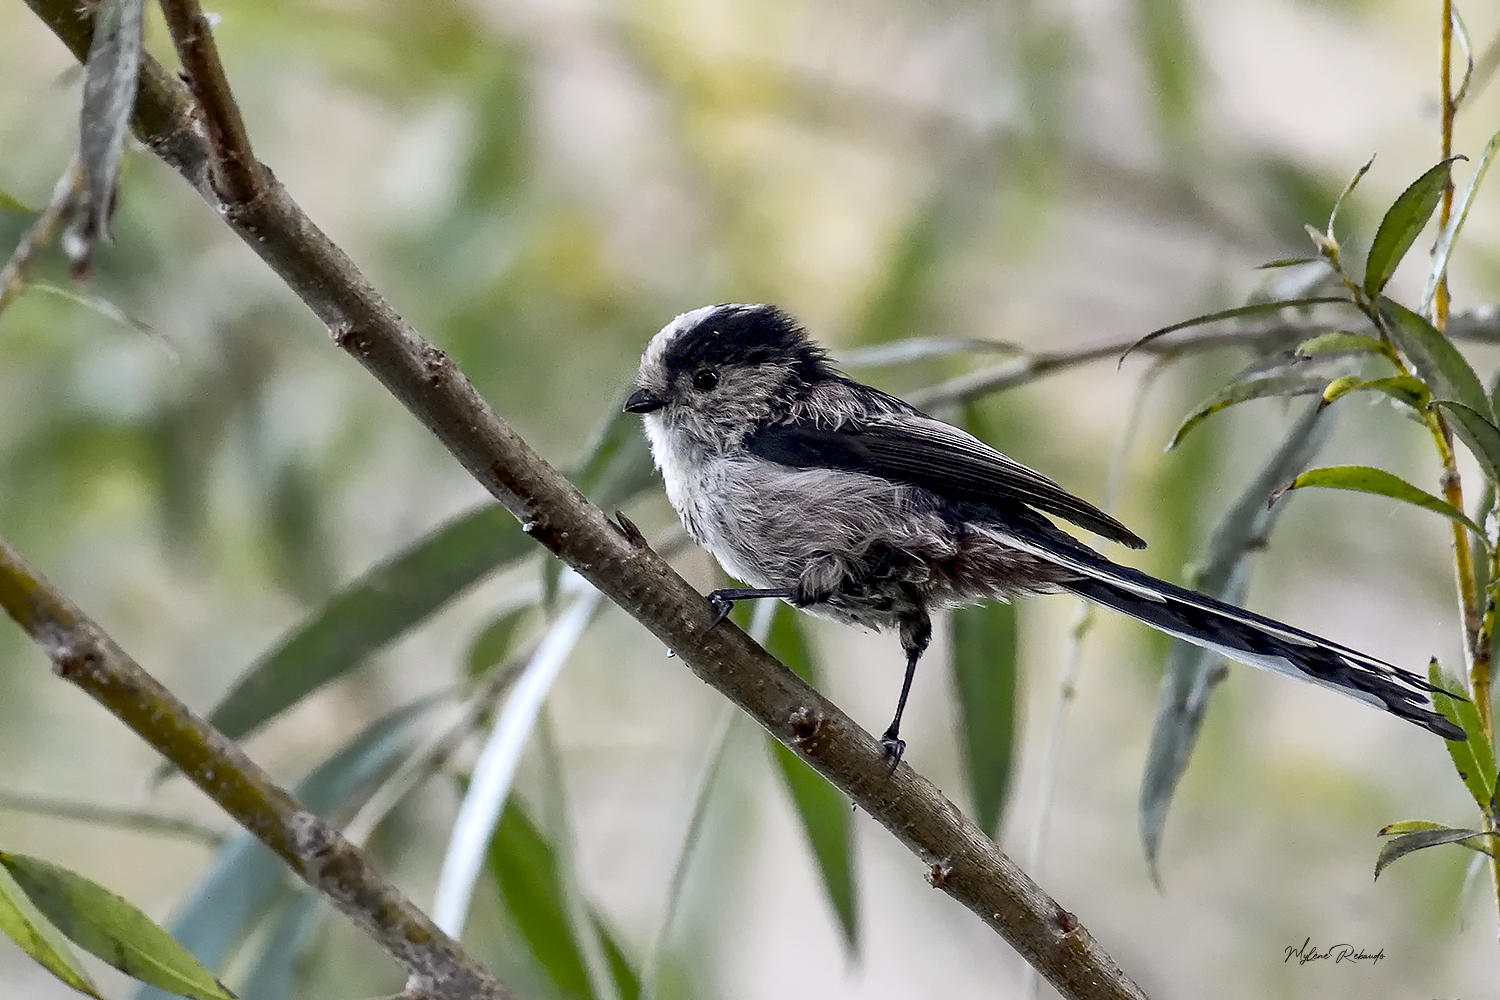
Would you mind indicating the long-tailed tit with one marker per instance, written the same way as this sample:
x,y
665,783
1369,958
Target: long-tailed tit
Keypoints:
x,y
850,504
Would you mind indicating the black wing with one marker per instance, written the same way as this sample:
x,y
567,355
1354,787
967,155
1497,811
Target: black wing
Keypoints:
x,y
916,449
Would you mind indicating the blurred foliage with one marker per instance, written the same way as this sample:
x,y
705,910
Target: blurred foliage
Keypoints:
x,y
540,187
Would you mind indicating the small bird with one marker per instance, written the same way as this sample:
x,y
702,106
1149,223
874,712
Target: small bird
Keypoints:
x,y
853,505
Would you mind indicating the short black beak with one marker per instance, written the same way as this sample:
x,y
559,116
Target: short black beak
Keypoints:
x,y
643,401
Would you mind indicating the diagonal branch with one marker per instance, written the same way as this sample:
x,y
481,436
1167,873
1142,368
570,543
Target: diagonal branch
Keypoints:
x,y
84,655
960,859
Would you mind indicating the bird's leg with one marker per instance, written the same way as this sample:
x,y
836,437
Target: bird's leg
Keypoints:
x,y
723,600
916,633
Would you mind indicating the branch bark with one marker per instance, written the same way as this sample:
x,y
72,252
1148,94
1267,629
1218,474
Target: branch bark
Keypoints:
x,y
960,859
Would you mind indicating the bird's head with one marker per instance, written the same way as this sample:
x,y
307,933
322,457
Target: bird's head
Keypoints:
x,y
718,372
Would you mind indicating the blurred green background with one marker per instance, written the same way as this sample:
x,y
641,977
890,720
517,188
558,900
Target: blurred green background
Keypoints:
x,y
538,187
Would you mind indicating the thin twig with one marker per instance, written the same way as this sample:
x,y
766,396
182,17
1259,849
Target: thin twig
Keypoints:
x,y
235,171
1449,110
552,511
139,820
1480,325
82,654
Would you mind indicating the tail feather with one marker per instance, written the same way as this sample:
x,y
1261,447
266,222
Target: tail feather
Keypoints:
x,y
1236,633
1263,642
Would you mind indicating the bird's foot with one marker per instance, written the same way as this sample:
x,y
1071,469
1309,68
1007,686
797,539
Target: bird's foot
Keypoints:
x,y
722,606
894,748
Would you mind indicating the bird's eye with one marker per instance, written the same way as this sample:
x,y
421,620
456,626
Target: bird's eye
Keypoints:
x,y
705,379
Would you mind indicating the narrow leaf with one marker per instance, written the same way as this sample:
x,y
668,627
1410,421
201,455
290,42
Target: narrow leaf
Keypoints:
x,y
1338,202
495,641
1474,758
1364,479
10,203
1435,358
1339,342
111,74
525,869
1402,224
1478,432
1239,392
1340,386
1406,389
1288,262
1191,673
984,677
1401,846
495,768
1237,312
823,810
370,612
104,924
1409,826
24,924
1449,236
93,303
1461,36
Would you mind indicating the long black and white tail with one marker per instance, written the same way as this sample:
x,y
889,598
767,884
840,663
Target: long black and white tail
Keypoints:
x,y
1266,643
1236,633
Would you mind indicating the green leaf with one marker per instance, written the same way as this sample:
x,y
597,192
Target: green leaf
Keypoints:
x,y
1409,826
1474,758
1478,432
10,203
531,890
1364,479
984,676
1406,389
1191,673
1237,312
823,810
1239,392
1339,342
1287,262
370,612
494,641
1402,224
1406,843
110,81
102,923
24,924
1449,236
246,877
1435,358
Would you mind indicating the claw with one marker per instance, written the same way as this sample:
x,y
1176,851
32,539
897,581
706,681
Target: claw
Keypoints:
x,y
894,748
722,605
